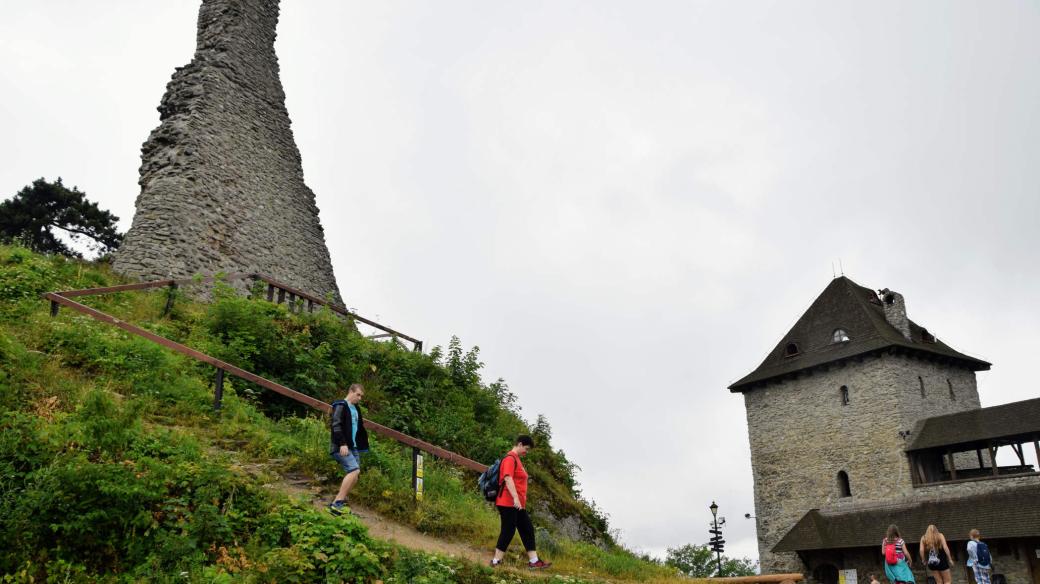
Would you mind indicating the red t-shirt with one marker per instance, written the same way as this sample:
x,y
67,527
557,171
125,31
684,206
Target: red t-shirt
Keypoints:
x,y
512,467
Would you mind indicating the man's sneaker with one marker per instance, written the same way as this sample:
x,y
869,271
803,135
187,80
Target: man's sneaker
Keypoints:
x,y
539,565
338,508
495,564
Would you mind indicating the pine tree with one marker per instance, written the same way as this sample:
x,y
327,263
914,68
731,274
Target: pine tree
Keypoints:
x,y
31,216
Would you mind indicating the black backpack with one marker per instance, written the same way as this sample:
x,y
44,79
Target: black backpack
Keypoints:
x,y
488,481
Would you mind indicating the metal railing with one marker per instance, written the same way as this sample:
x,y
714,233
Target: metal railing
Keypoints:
x,y
64,299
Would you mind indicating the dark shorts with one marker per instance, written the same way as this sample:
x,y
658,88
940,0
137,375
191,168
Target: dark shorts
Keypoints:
x,y
349,463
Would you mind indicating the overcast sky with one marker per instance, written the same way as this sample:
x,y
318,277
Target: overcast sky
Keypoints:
x,y
624,204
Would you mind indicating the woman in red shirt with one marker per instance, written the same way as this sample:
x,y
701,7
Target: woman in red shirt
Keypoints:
x,y
512,505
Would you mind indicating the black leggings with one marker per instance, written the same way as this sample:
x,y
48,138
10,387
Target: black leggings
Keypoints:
x,y
513,520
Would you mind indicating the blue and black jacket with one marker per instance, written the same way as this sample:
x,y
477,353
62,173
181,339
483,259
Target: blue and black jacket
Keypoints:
x,y
343,428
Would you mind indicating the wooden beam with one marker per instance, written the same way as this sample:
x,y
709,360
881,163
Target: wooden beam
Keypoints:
x,y
1021,455
993,458
920,471
978,452
953,467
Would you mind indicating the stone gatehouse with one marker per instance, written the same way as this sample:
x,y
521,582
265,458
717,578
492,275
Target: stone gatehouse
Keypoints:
x,y
860,418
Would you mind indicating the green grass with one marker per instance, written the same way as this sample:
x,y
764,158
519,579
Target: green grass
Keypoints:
x,y
115,468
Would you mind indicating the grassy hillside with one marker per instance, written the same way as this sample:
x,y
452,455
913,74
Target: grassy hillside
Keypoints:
x,y
114,467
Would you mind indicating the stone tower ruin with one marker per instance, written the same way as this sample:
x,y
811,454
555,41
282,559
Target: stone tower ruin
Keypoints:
x,y
221,179
831,409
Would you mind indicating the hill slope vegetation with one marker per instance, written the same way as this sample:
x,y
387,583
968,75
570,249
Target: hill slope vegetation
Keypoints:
x,y
114,467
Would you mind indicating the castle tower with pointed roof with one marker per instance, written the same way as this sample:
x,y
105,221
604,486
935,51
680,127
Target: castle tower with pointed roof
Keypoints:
x,y
832,408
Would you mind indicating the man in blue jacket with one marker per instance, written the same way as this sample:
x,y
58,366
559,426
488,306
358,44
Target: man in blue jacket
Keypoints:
x,y
349,440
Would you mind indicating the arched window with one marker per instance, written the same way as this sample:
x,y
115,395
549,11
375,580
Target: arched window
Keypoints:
x,y
791,350
840,336
920,381
826,574
953,396
843,484
844,395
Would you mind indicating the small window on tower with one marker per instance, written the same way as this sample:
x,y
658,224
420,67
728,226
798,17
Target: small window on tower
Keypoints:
x,y
843,484
953,396
920,381
844,395
840,336
791,350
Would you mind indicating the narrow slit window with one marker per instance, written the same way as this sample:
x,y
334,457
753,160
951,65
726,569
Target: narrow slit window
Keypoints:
x,y
844,395
953,396
920,381
844,489
791,350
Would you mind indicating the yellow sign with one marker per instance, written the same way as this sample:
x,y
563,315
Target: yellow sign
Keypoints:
x,y
418,476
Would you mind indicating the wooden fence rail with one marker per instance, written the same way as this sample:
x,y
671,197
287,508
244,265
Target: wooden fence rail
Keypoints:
x,y
64,299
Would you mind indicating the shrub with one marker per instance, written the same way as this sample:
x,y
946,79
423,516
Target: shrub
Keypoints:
x,y
313,547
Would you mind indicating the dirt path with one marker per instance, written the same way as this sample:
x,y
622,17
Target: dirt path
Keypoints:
x,y
380,527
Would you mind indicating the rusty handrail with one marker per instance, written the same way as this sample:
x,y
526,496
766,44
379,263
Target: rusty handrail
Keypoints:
x,y
58,299
334,307
272,285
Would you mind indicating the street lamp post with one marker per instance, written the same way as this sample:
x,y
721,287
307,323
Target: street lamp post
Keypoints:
x,y
716,536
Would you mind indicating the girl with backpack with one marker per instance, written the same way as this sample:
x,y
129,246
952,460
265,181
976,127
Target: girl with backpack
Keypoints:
x,y
512,505
897,557
936,554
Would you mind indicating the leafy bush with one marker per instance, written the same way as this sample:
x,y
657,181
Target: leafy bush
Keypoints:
x,y
312,547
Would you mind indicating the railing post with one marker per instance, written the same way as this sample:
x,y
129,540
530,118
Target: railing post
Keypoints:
x,y
310,305
218,390
170,292
417,473
418,347
54,308
292,302
281,295
270,292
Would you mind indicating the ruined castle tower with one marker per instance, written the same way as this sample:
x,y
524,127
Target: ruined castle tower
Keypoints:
x,y
221,181
831,410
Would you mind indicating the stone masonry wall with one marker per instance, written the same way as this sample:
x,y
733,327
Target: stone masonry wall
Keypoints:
x,y
802,436
221,178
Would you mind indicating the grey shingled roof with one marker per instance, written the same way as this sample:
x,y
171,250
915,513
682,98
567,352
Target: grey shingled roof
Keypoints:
x,y
1004,514
1003,421
846,305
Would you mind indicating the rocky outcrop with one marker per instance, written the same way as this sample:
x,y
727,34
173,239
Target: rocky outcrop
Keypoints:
x,y
221,180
